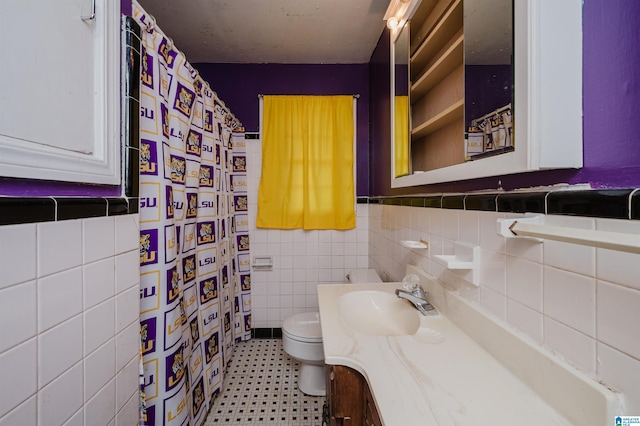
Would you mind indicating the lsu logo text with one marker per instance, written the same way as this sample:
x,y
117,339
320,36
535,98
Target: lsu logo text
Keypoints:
x,y
170,207
173,281
194,142
148,202
241,203
239,164
206,176
206,233
164,112
189,268
148,157
146,69
246,282
192,205
197,396
177,166
211,347
148,247
208,121
174,368
166,52
148,335
208,289
184,100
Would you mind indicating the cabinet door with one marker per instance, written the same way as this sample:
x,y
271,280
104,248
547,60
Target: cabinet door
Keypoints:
x,y
371,416
60,90
345,396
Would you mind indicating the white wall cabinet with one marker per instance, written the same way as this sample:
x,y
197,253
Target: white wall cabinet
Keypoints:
x,y
60,90
547,97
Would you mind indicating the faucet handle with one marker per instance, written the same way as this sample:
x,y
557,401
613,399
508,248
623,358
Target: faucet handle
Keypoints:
x,y
411,282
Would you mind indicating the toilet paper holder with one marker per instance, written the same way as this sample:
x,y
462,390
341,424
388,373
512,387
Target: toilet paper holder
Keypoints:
x,y
263,263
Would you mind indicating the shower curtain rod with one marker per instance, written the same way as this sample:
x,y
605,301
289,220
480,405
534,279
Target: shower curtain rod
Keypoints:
x,y
260,95
153,26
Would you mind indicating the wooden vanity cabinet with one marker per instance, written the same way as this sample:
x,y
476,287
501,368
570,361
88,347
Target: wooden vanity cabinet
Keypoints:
x,y
371,416
349,398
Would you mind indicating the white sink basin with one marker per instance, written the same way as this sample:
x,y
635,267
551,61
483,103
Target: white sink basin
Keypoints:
x,y
378,313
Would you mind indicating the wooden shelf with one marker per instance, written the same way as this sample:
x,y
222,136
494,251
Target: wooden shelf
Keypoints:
x,y
437,85
444,30
445,64
447,116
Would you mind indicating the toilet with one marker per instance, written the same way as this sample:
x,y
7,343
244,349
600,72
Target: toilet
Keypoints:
x,y
302,340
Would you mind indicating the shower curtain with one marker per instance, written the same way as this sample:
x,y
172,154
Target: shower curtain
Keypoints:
x,y
195,280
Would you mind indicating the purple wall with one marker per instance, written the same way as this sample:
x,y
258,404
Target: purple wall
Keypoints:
x,y
611,109
125,7
487,88
611,59
238,86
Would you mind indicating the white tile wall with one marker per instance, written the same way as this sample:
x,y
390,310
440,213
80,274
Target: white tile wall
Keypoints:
x,y
69,308
17,314
580,302
301,259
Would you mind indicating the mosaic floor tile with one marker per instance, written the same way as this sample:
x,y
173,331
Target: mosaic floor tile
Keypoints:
x,y
261,388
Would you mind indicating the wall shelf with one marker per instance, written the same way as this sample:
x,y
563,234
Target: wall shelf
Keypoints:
x,y
465,260
444,30
447,116
450,59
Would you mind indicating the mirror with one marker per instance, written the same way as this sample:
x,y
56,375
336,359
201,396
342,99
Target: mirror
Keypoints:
x,y
488,78
400,105
452,70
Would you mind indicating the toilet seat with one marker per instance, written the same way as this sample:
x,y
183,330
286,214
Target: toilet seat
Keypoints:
x,y
303,327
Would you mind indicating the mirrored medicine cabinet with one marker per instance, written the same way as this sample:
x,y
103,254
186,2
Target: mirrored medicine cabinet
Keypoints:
x,y
483,88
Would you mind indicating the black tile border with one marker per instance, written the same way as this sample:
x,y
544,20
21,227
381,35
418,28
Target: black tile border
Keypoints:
x,y
453,202
482,202
599,203
531,202
15,210
613,204
23,210
635,204
622,203
266,333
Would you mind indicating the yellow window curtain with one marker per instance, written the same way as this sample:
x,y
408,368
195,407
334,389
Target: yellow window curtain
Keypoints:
x,y
307,163
401,135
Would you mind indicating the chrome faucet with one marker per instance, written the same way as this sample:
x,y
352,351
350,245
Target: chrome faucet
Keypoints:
x,y
415,294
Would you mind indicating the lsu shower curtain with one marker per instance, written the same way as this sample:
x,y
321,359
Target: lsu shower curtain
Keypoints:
x,y
194,239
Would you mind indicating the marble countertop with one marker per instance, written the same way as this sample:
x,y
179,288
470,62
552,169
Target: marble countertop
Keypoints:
x,y
438,376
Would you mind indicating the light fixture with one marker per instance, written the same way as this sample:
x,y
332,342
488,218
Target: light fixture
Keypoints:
x,y
399,12
392,23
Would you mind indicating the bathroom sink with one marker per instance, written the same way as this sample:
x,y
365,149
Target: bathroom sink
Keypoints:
x,y
378,313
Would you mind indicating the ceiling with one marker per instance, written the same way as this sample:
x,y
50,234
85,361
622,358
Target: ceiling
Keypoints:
x,y
271,31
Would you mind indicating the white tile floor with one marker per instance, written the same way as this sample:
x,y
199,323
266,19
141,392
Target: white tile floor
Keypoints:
x,y
260,387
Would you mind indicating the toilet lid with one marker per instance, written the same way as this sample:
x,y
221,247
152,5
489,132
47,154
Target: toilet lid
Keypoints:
x,y
304,327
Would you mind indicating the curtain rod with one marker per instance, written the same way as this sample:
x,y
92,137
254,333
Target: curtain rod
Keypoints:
x,y
260,95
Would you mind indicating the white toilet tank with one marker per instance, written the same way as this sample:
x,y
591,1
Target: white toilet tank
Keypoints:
x,y
363,276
